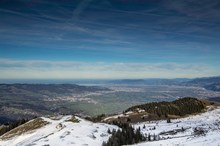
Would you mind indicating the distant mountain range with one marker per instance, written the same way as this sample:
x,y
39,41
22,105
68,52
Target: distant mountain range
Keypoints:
x,y
213,87
48,88
201,82
204,81
210,83
150,81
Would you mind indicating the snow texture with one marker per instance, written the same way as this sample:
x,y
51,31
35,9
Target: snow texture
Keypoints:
x,y
61,132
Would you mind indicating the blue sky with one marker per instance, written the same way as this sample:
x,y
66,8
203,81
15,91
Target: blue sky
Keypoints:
x,y
109,39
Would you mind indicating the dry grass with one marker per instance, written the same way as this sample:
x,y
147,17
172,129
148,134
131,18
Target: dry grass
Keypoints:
x,y
73,119
27,127
207,102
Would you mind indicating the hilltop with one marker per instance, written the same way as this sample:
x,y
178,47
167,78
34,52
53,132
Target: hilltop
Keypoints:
x,y
56,131
162,110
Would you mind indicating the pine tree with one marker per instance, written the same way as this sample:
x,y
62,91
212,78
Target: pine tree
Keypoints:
x,y
149,137
168,121
154,137
109,131
182,129
127,135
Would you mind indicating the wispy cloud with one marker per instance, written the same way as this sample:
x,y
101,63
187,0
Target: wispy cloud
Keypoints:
x,y
200,9
110,31
73,70
80,8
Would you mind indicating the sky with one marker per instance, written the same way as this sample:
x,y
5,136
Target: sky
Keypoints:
x,y
109,39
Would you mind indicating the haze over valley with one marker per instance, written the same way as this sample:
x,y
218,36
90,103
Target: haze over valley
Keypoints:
x,y
107,97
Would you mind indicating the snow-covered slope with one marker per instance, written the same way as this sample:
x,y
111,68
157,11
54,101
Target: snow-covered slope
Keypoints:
x,y
63,132
209,122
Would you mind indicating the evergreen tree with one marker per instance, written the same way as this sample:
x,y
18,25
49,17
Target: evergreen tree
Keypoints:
x,y
109,131
168,121
149,137
127,135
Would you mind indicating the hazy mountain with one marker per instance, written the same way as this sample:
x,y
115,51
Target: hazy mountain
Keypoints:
x,y
209,83
150,81
201,82
204,81
50,88
213,87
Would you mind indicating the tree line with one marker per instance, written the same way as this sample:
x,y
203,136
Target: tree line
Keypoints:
x,y
180,107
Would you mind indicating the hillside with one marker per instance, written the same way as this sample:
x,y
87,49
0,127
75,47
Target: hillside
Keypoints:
x,y
201,129
197,130
180,107
160,110
192,127
57,131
